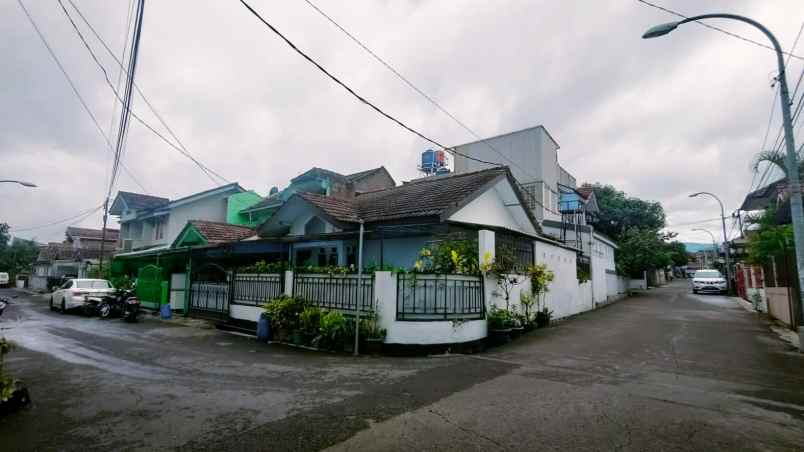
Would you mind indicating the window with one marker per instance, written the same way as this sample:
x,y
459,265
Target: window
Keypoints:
x,y
67,285
159,228
92,284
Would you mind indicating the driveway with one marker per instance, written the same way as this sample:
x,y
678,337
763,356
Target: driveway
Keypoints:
x,y
663,371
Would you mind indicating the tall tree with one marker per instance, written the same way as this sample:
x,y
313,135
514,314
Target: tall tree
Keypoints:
x,y
619,212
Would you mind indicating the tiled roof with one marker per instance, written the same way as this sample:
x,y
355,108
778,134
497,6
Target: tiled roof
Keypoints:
x,y
362,174
56,251
138,201
216,232
111,234
425,197
762,197
585,191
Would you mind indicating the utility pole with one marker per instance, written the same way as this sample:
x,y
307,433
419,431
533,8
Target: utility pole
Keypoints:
x,y
726,247
796,209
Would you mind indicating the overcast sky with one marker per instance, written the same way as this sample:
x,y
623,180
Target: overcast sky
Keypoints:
x,y
658,119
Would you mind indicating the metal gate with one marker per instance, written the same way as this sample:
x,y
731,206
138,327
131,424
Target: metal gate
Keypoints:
x,y
209,291
149,286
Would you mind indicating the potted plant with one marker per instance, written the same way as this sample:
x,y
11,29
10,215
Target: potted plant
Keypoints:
x,y
373,334
309,324
13,395
332,328
543,317
527,301
284,312
517,325
499,325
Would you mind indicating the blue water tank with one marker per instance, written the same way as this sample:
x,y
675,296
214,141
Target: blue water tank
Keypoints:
x,y
428,160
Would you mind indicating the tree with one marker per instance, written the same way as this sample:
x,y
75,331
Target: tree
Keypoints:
x,y
769,239
640,250
619,212
677,252
17,255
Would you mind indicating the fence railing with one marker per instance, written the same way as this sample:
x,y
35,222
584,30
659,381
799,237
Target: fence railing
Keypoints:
x,y
439,297
209,296
254,289
339,292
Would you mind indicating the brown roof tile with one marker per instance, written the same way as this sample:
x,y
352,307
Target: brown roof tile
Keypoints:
x,y
111,234
216,232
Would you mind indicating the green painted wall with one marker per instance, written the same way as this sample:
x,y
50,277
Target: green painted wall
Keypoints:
x,y
238,202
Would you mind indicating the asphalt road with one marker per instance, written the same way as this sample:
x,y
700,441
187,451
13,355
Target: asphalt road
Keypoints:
x,y
663,371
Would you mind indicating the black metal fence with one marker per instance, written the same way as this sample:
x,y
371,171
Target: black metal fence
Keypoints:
x,y
252,289
210,297
340,292
519,248
439,297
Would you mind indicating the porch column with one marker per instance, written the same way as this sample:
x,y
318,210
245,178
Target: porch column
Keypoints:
x,y
289,283
485,249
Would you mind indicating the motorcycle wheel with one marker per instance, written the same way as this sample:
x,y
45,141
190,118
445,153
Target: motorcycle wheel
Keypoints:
x,y
104,310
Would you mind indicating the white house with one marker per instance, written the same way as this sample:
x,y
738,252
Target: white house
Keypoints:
x,y
148,222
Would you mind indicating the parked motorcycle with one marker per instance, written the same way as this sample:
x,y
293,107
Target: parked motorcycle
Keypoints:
x,y
3,304
121,303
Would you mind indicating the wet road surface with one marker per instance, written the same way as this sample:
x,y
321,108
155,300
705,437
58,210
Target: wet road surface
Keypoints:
x,y
664,371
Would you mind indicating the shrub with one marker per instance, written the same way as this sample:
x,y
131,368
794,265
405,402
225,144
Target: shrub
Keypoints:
x,y
333,328
449,256
7,383
500,319
370,327
285,312
266,267
310,320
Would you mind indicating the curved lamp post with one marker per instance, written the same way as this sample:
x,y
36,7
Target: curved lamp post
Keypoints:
x,y
726,247
714,242
23,183
791,157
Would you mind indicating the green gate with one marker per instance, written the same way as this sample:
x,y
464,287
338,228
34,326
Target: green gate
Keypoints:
x,y
149,286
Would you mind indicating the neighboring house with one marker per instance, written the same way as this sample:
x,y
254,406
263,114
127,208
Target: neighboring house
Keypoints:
x,y
400,221
318,181
72,258
565,212
203,233
148,222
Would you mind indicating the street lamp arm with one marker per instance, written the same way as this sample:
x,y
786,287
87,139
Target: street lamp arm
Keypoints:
x,y
747,20
722,210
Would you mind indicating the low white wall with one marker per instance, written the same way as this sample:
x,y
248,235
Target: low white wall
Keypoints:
x,y
419,333
241,312
763,300
565,297
639,284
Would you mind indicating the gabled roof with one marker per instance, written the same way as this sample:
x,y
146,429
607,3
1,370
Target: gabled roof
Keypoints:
x,y
54,251
135,201
364,174
763,197
86,233
434,196
585,191
213,232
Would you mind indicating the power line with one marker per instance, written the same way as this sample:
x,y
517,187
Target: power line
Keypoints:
x,y
75,89
712,27
358,96
180,148
84,214
420,92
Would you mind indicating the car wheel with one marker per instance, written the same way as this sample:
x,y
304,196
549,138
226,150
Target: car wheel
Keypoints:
x,y
695,291
52,308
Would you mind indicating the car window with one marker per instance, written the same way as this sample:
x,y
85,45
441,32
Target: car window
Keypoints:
x,y
67,285
708,274
93,284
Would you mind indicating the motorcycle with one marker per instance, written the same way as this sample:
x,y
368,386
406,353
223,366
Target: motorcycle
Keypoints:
x,y
121,303
3,304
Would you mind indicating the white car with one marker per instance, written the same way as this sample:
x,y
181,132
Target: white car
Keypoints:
x,y
71,294
708,281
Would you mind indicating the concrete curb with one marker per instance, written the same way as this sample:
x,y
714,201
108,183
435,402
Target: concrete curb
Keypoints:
x,y
784,333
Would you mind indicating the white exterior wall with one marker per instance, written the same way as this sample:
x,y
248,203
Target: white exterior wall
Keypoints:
x,y
498,206
602,262
297,228
212,208
419,333
241,312
565,296
531,155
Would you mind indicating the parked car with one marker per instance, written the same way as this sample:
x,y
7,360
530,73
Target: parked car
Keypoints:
x,y
72,293
709,281
3,279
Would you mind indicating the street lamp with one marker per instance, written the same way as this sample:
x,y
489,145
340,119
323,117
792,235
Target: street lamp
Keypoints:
x,y
726,246
23,183
791,157
714,242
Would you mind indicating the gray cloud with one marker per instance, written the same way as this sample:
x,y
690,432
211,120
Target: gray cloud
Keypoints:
x,y
658,118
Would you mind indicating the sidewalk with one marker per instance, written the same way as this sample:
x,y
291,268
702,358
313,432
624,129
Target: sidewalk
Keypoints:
x,y
784,333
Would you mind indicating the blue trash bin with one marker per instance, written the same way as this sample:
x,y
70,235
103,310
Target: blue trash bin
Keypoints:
x,y
264,328
166,312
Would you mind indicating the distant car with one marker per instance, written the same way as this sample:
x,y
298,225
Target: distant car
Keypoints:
x,y
3,279
71,294
708,281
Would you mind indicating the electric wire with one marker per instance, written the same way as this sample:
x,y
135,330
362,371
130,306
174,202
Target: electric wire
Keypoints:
x,y
418,90
355,94
721,30
180,147
75,89
84,213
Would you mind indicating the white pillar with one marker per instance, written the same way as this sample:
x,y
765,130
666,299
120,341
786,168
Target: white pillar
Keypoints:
x,y
485,249
289,283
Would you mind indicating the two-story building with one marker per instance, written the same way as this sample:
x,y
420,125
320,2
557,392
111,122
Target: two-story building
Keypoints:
x,y
565,211
80,250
